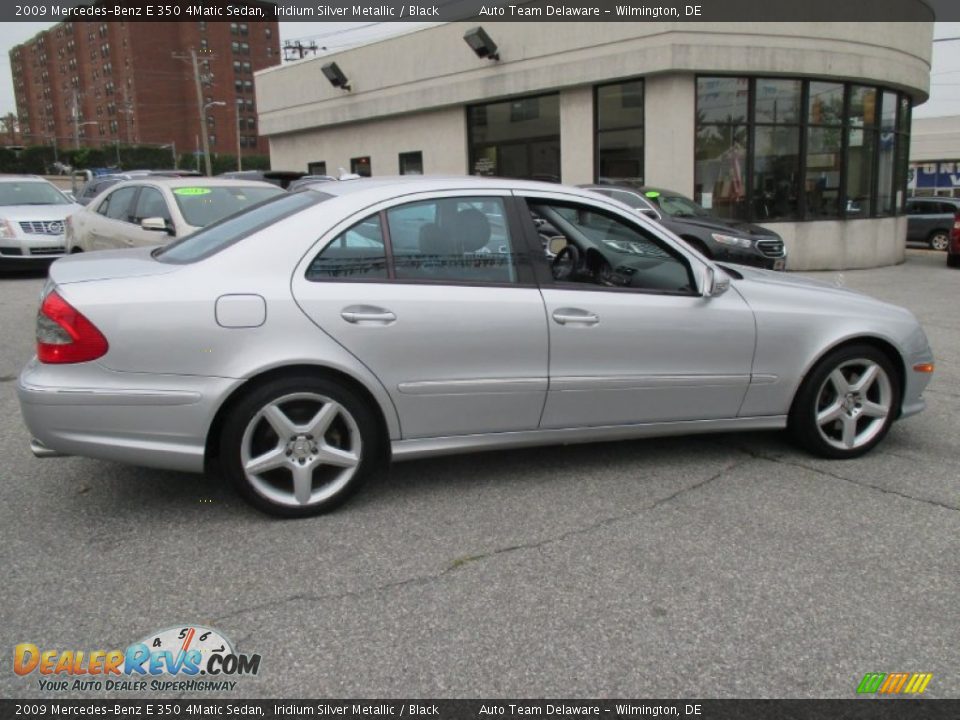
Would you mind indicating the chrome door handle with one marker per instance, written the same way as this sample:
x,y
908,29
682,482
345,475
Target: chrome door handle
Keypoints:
x,y
574,316
367,314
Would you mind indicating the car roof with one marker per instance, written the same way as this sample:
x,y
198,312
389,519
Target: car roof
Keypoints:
x,y
954,201
178,182
22,178
390,186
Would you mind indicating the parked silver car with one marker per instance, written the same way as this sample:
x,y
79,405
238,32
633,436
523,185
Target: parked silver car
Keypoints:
x,y
310,339
32,215
152,210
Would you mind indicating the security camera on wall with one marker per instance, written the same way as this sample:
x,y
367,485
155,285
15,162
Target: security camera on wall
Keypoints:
x,y
335,75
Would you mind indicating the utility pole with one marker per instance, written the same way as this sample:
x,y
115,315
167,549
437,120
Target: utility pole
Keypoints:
x,y
236,106
201,111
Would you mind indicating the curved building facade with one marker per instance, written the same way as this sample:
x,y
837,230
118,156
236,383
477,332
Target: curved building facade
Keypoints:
x,y
801,127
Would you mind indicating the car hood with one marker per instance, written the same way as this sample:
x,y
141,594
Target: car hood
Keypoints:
x,y
32,213
717,224
108,265
756,286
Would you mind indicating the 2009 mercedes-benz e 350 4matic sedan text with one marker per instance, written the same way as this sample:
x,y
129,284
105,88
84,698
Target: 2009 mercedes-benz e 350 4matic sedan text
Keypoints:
x,y
309,340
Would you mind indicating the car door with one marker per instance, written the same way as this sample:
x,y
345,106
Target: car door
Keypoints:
x,y
631,339
112,225
434,297
150,203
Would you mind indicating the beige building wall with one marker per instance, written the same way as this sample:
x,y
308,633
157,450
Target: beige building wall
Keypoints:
x,y
935,138
441,135
410,92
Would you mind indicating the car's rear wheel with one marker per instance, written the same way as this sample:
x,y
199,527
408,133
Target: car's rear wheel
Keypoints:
x,y
299,446
939,240
847,403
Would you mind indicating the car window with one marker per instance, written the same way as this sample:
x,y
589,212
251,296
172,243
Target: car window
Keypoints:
x,y
30,192
151,204
356,254
454,239
116,206
597,248
214,238
948,208
204,205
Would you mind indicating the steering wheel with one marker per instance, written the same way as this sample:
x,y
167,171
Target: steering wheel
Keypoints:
x,y
604,273
566,262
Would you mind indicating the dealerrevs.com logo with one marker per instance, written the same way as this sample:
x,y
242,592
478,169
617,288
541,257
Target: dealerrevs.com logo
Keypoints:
x,y
180,659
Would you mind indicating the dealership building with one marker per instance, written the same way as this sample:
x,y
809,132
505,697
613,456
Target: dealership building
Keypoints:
x,y
935,157
800,127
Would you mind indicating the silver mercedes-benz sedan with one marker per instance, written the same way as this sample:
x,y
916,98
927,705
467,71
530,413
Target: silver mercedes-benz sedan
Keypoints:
x,y
302,344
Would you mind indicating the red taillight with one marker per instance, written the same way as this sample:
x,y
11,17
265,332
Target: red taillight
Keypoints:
x,y
64,335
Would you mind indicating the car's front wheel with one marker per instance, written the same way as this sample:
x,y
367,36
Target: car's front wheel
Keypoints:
x,y
939,239
300,445
847,403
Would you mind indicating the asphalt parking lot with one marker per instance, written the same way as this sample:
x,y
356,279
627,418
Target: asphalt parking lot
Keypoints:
x,y
724,566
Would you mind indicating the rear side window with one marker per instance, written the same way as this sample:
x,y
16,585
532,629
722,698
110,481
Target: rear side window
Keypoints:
x,y
214,238
151,204
461,240
357,254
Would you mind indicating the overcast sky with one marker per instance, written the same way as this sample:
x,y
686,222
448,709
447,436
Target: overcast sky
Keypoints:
x,y
944,80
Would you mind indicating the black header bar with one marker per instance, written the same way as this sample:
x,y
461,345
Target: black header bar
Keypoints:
x,y
484,10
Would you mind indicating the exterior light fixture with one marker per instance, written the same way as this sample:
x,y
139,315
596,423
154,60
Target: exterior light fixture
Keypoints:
x,y
481,43
333,73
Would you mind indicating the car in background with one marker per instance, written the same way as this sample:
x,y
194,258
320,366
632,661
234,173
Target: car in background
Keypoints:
x,y
716,238
96,184
953,247
325,333
931,219
32,218
280,178
153,210
308,180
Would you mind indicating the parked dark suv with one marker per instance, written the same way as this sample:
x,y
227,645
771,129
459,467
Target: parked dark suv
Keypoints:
x,y
931,219
717,238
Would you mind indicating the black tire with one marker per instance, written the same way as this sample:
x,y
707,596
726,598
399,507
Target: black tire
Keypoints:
x,y
953,260
939,240
301,397
814,397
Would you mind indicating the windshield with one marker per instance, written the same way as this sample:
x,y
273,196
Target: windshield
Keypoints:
x,y
36,192
677,205
215,237
202,206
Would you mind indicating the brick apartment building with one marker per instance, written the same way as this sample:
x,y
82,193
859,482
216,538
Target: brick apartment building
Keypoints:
x,y
119,82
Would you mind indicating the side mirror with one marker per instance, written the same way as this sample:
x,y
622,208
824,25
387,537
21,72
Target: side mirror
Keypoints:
x,y
716,282
155,224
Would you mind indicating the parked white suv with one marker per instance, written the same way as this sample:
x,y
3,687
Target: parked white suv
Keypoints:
x,y
33,214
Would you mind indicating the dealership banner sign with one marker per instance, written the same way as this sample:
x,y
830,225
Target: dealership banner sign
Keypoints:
x,y
487,10
935,175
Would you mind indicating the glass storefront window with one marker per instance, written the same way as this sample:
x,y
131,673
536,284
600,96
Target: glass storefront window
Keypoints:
x,y
721,169
777,101
822,181
620,133
807,149
826,103
776,172
518,138
722,100
860,160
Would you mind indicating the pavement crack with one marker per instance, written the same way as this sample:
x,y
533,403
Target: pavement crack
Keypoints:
x,y
462,561
820,471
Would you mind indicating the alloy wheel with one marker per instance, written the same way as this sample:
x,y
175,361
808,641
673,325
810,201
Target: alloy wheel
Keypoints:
x,y
300,449
853,404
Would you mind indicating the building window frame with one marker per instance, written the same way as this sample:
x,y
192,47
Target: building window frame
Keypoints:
x,y
596,131
844,125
